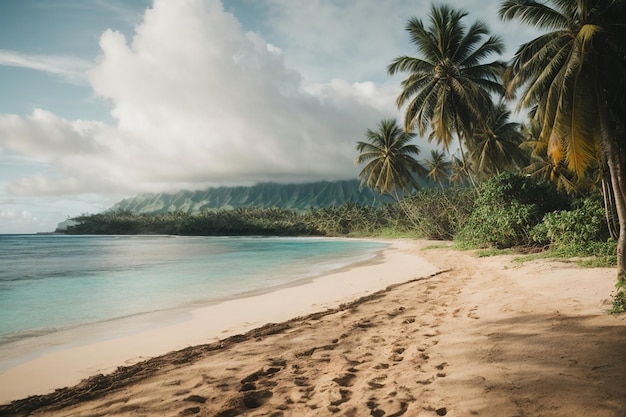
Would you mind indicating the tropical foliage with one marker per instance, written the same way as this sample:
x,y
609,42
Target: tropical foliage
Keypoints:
x,y
507,209
496,148
437,213
438,167
577,227
574,78
391,166
541,166
449,84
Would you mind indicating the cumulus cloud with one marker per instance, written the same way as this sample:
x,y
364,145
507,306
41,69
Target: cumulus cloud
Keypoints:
x,y
197,101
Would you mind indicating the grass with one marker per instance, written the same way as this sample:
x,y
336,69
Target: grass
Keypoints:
x,y
603,261
391,233
436,246
485,253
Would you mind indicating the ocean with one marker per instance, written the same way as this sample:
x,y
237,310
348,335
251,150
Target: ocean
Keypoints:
x,y
50,283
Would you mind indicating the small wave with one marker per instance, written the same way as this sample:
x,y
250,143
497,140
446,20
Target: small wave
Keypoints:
x,y
25,334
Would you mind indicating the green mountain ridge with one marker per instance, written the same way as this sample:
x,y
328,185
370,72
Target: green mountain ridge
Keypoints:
x,y
297,197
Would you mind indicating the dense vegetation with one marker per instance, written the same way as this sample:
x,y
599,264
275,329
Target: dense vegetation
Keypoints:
x,y
348,219
508,210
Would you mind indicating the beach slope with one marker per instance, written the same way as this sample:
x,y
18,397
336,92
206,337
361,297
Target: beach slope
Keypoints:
x,y
478,337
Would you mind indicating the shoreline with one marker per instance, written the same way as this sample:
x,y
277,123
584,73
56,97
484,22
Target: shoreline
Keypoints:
x,y
69,364
480,336
12,353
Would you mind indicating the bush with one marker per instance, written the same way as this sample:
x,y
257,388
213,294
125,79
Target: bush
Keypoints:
x,y
579,232
509,206
500,227
585,223
436,214
347,219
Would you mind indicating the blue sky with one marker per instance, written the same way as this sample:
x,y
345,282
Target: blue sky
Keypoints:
x,y
105,99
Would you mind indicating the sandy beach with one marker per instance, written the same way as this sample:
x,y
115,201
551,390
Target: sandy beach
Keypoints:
x,y
421,331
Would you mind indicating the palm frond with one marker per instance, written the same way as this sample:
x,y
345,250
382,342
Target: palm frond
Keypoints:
x,y
392,163
533,13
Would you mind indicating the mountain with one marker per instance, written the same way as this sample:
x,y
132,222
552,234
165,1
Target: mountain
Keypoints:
x,y
290,196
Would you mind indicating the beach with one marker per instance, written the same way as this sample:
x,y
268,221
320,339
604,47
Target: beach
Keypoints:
x,y
422,330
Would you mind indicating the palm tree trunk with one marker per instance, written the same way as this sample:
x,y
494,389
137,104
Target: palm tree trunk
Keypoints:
x,y
465,166
616,157
614,153
612,220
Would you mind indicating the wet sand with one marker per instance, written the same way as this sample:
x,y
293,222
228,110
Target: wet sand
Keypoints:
x,y
471,336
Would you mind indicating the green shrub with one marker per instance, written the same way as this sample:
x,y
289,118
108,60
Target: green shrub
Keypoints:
x,y
507,209
584,224
619,298
436,214
499,227
347,219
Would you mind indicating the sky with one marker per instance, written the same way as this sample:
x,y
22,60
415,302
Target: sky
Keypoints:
x,y
105,99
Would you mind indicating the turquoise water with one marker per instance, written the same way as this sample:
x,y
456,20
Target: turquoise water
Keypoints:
x,y
55,282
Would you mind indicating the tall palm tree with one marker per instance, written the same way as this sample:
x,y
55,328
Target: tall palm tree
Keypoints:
x,y
391,163
459,171
497,148
438,167
449,85
575,76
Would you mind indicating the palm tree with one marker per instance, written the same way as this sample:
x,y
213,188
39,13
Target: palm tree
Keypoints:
x,y
449,86
438,167
459,171
575,76
541,166
497,148
391,164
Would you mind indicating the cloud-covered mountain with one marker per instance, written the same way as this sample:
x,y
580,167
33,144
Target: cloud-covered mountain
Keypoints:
x,y
290,196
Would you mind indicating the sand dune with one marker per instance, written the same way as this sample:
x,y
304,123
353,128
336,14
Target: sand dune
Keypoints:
x,y
477,337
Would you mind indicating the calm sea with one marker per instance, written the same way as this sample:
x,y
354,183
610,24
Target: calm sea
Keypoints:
x,y
55,282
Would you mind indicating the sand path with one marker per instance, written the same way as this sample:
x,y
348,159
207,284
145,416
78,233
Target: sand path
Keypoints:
x,y
482,337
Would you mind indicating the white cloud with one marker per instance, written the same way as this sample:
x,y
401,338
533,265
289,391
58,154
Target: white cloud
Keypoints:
x,y
68,67
17,215
17,219
197,101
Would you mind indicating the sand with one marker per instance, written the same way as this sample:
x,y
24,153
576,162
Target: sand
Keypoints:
x,y
447,334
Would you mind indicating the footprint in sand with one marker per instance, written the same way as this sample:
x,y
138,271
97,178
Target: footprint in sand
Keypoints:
x,y
339,397
396,356
440,368
377,383
395,312
425,381
392,409
346,380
